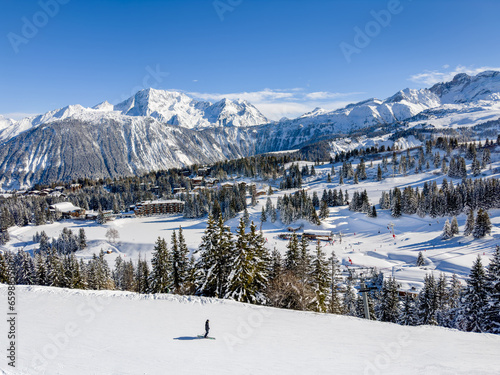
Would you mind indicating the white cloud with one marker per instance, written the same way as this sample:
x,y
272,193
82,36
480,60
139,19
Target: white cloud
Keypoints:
x,y
431,77
276,111
256,96
278,103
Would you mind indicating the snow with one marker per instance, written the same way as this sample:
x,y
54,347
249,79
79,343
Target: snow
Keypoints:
x,y
65,207
108,332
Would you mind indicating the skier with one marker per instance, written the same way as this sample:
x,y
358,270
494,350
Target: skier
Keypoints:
x,y
207,328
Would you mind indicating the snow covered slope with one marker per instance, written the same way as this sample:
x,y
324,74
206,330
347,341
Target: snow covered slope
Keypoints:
x,y
464,88
89,332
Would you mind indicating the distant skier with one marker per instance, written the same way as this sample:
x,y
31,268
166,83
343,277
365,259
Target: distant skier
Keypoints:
x,y
207,328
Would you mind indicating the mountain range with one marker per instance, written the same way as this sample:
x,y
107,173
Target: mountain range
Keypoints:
x,y
156,129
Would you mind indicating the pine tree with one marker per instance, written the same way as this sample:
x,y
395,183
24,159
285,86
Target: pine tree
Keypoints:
x,y
25,268
263,216
349,300
142,276
261,263
447,233
248,277
492,314
276,266
420,259
389,309
274,215
454,226
320,279
427,301
304,265
182,260
473,315
117,273
324,210
335,303
469,223
408,315
214,261
54,269
160,278
101,274
292,256
100,218
396,205
4,270
442,300
246,217
82,239
239,283
482,226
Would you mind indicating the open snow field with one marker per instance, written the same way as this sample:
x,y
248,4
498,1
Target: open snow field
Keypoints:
x,y
75,332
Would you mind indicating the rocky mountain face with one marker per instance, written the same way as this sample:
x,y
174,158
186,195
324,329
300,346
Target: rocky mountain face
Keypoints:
x,y
68,149
157,129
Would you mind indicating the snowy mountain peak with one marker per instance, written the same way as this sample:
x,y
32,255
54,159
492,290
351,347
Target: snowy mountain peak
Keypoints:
x,y
177,108
464,88
104,106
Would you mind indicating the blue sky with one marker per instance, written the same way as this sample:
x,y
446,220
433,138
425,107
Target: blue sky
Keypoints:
x,y
286,56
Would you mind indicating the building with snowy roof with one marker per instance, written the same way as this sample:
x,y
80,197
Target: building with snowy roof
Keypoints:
x,y
68,210
159,207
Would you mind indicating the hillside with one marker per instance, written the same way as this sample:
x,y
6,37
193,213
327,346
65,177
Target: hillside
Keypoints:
x,y
126,333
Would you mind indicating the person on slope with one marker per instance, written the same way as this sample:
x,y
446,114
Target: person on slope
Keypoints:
x,y
207,328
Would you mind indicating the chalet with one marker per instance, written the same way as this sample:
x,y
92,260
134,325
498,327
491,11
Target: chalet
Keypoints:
x,y
68,210
75,187
210,182
260,193
203,171
197,181
179,190
159,207
321,235
198,189
411,293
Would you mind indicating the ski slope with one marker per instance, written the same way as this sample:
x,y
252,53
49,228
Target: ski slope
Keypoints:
x,y
107,332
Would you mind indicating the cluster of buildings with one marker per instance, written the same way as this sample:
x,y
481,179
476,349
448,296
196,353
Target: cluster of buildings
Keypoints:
x,y
159,207
68,210
57,191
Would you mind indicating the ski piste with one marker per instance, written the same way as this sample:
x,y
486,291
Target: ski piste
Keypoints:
x,y
203,337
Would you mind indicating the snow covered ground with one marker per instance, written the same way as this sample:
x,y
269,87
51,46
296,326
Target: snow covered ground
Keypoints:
x,y
75,332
